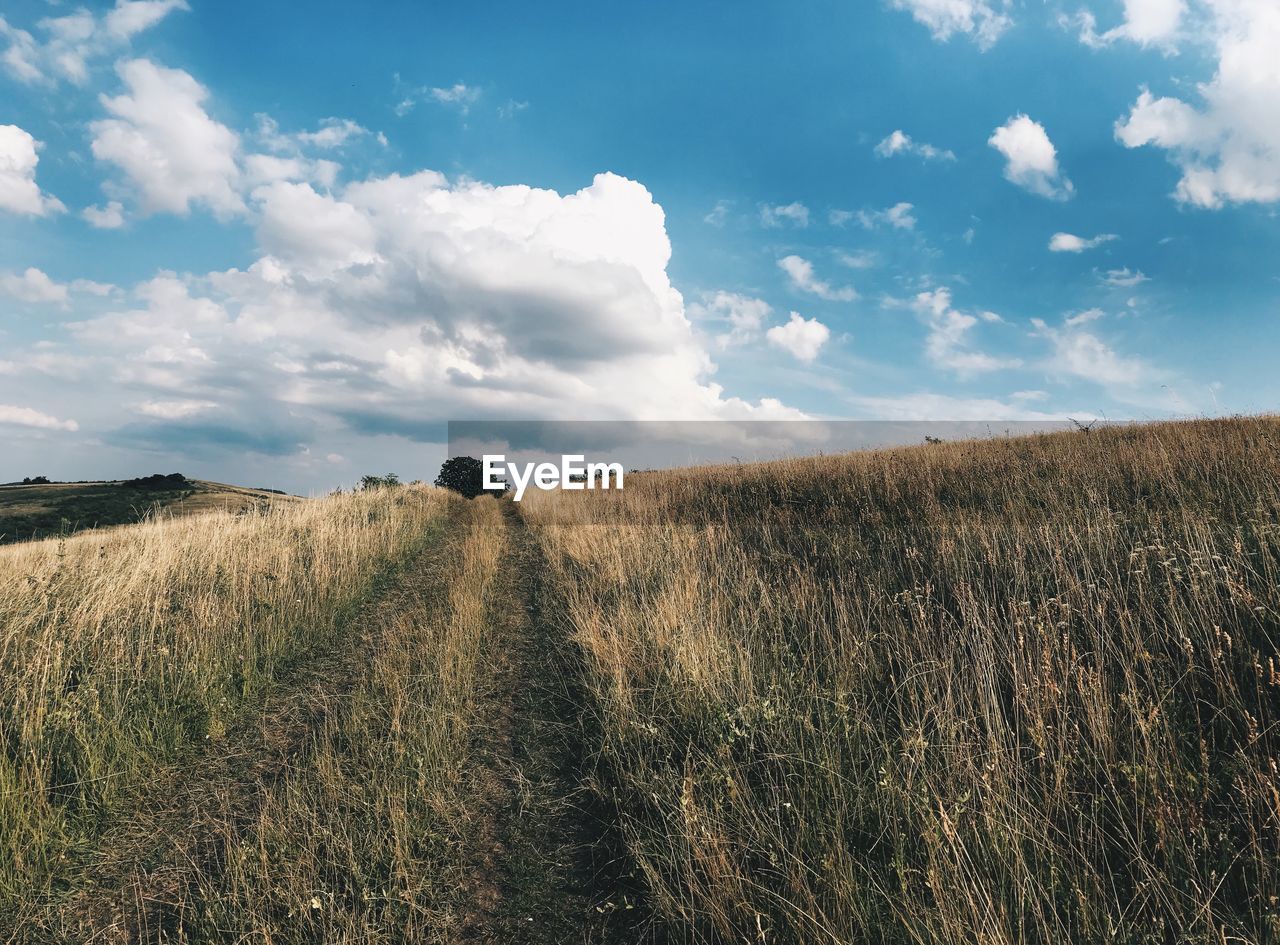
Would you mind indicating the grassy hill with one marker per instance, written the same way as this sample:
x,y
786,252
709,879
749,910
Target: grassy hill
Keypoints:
x,y
1002,691
1017,690
47,509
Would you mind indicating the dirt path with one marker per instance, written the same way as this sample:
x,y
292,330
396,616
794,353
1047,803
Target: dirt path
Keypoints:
x,y
142,879
540,871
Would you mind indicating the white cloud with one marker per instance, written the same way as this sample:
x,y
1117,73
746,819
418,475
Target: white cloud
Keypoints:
x,y
1084,355
26,417
745,316
1146,22
944,18
399,301
74,41
55,364
1070,243
863,259
1228,148
800,273
172,153
260,169
133,16
719,213
333,133
174,409
89,287
19,192
109,217
899,216
802,338
1083,318
796,214
335,235
459,95
287,159
941,407
899,142
1123,278
33,286
947,344
22,56
1031,161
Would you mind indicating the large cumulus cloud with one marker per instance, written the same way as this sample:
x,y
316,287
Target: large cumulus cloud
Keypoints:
x,y
394,303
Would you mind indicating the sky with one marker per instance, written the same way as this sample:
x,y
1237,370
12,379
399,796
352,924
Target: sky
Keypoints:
x,y
281,244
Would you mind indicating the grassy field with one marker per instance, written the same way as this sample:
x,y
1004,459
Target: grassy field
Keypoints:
x,y
60,508
1009,691
996,692
120,650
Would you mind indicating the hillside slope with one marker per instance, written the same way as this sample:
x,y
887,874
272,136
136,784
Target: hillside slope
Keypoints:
x,y
996,692
47,509
1003,691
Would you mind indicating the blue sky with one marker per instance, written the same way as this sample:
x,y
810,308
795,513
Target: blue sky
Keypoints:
x,y
284,243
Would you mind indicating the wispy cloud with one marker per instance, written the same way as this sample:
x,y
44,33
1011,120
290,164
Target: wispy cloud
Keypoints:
x,y
899,142
900,216
800,273
459,96
744,315
75,42
978,19
719,213
34,419
1070,243
1123,278
793,214
948,345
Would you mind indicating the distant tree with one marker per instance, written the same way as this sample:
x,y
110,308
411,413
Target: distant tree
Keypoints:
x,y
159,482
36,481
463,474
932,439
389,481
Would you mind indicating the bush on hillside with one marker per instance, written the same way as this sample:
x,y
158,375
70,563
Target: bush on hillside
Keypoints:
x,y
389,481
463,474
158,482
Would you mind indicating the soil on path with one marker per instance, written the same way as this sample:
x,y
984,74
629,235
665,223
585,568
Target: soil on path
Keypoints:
x,y
544,870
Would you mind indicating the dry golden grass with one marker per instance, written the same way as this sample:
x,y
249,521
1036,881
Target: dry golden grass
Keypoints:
x,y
121,649
366,837
1009,691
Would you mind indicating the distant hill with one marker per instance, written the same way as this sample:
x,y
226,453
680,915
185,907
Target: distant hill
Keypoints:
x,y
41,509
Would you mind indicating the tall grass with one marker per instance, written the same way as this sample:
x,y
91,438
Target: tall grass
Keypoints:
x,y
121,649
1009,691
370,837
